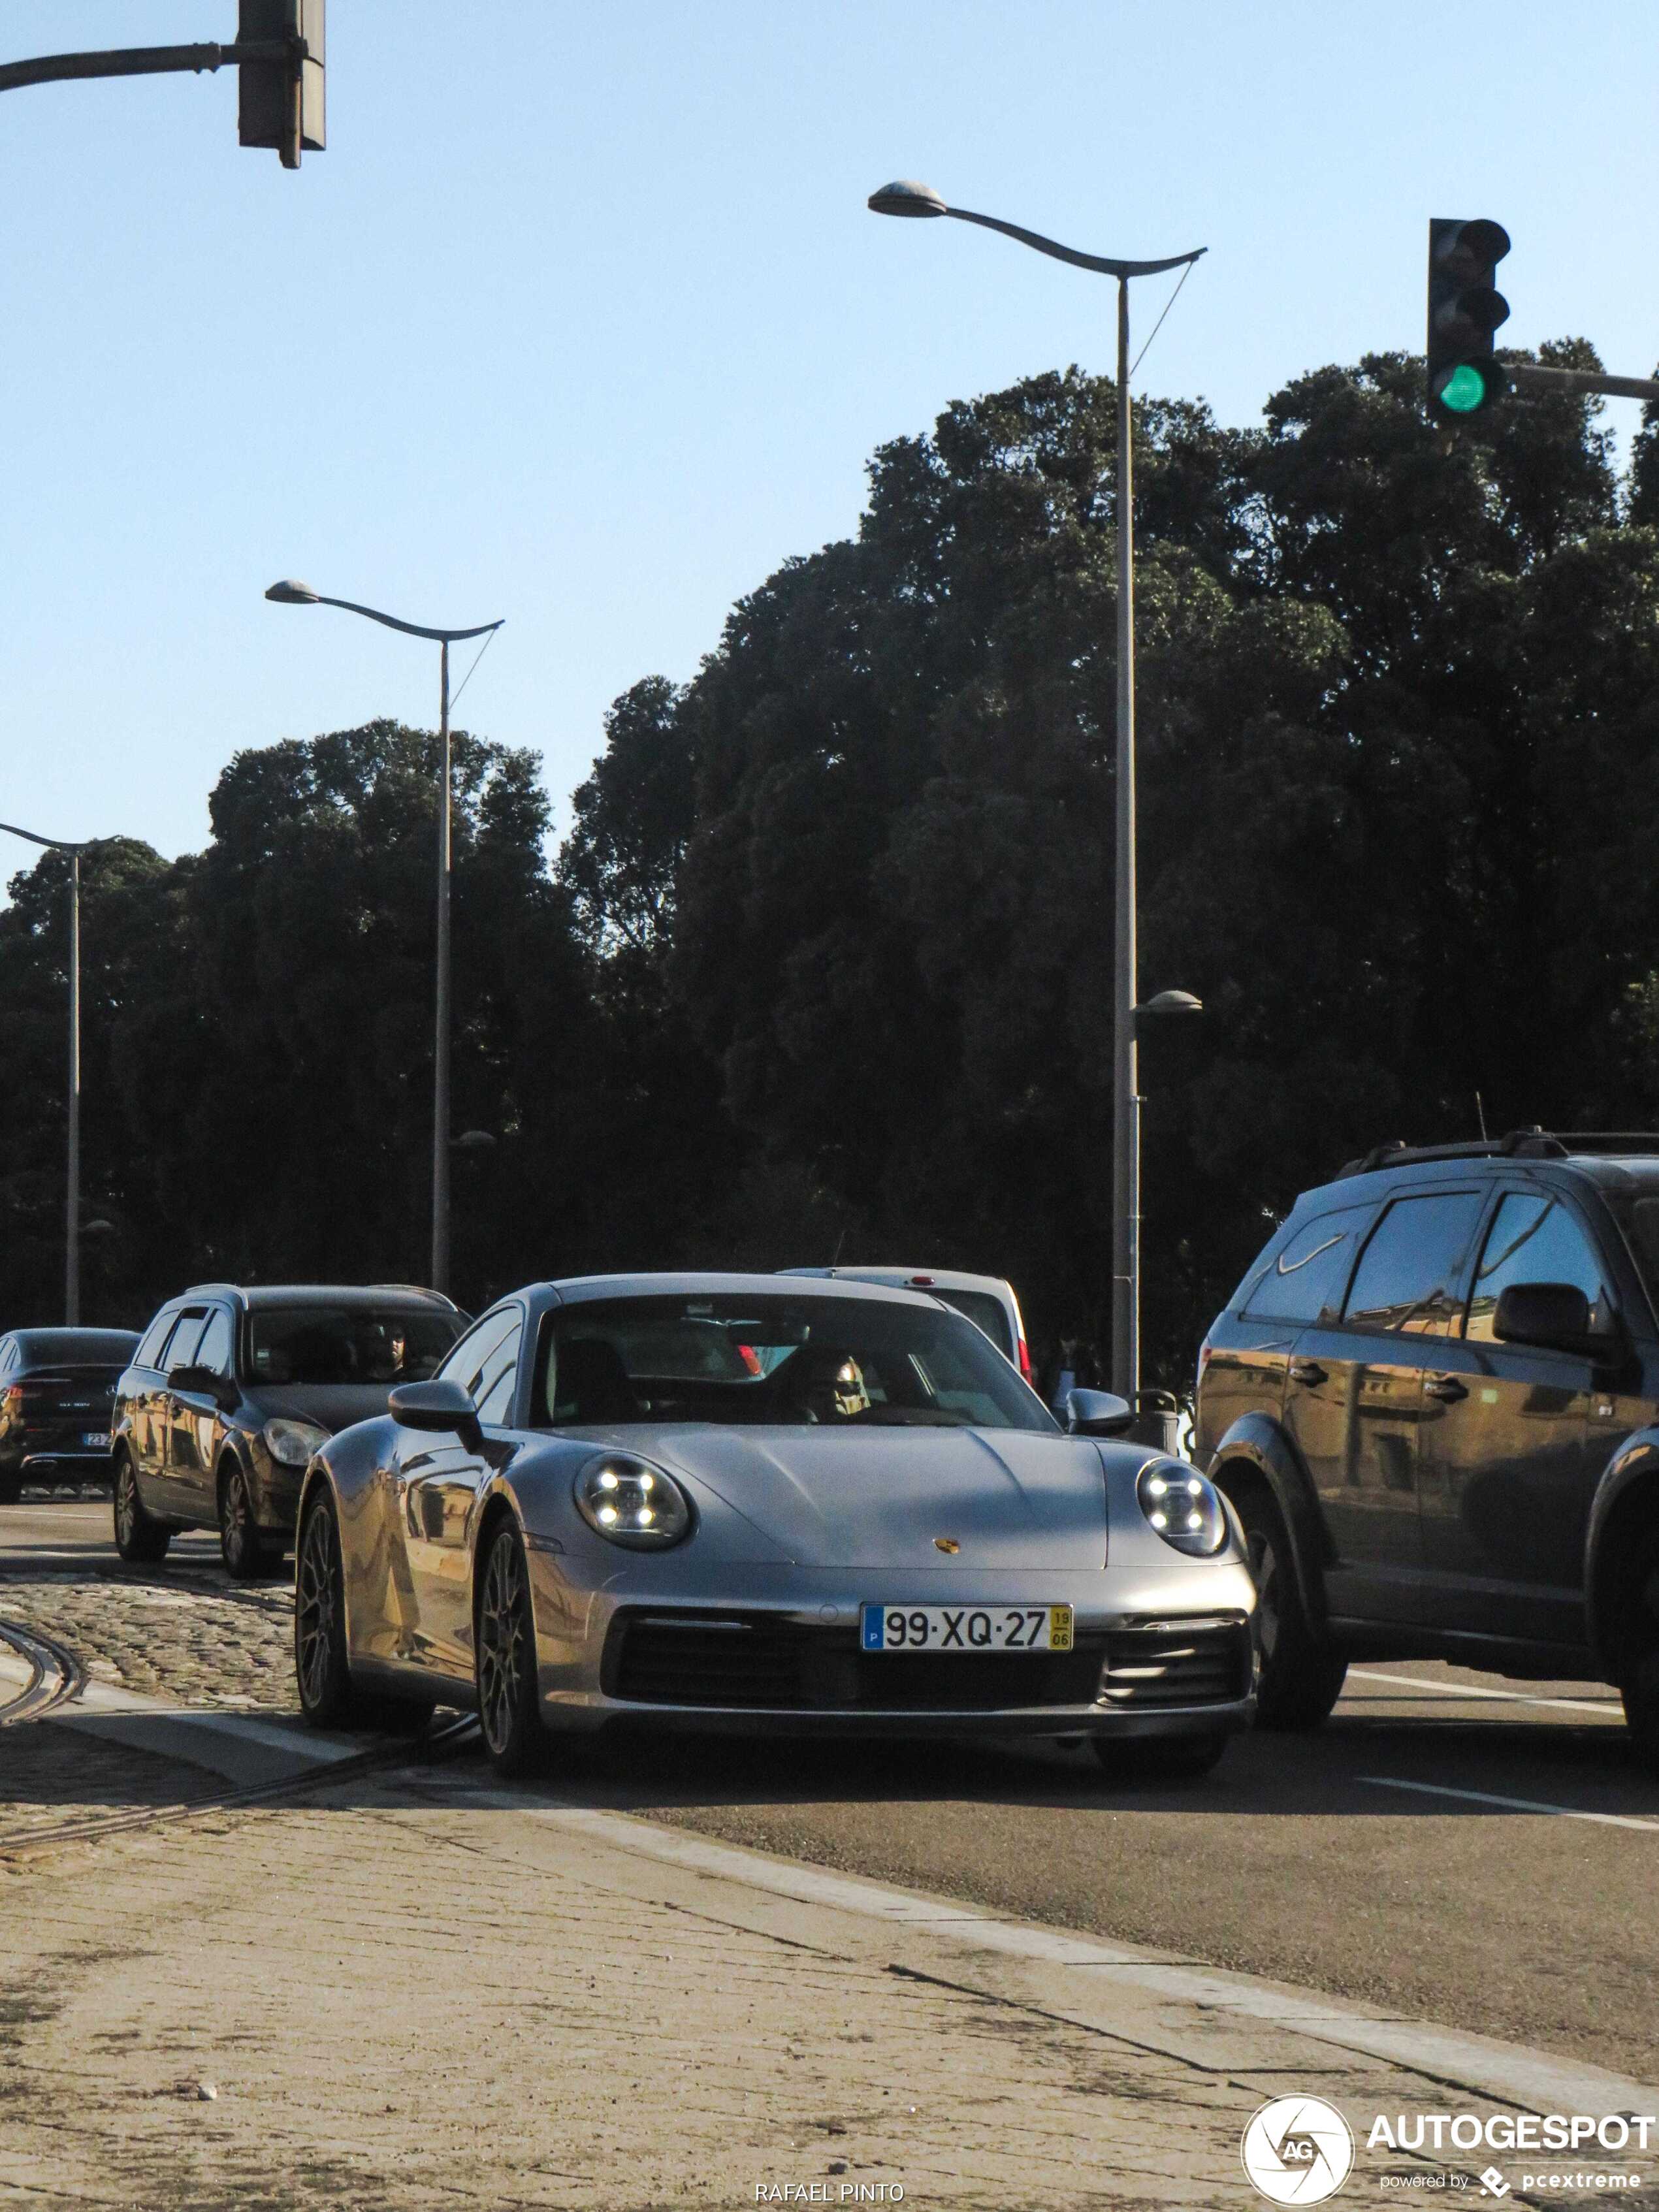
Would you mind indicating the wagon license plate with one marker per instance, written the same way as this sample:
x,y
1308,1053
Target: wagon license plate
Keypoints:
x,y
95,1439
966,1627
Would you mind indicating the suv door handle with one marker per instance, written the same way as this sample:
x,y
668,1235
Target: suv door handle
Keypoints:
x,y
1447,1387
1307,1371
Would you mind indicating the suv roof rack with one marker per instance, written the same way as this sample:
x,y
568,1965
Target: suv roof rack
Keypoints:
x,y
1525,1143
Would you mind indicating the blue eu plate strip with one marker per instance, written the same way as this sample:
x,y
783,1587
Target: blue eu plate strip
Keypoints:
x,y
875,1621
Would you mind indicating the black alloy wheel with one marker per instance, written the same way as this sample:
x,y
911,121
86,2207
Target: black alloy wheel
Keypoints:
x,y
504,1646
245,1556
1640,1685
1160,1757
1302,1676
321,1669
140,1539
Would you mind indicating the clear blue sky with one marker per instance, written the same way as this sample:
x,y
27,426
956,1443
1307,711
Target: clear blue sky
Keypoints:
x,y
581,321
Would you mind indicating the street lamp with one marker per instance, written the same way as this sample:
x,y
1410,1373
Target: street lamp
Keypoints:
x,y
72,1192
907,198
289,592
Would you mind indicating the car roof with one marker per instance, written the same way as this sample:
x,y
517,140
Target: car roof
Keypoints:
x,y
574,1290
47,1339
258,1296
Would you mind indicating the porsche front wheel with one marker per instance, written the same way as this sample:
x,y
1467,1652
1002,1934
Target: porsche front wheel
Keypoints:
x,y
320,1665
505,1662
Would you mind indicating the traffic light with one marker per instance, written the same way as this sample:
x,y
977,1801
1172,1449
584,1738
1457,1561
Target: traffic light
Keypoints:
x,y
280,102
1465,308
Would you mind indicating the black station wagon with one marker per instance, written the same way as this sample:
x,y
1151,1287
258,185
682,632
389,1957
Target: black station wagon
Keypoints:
x,y
231,1391
1434,1399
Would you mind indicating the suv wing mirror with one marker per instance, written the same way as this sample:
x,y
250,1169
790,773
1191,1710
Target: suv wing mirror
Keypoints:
x,y
441,1409
1555,1315
1096,1413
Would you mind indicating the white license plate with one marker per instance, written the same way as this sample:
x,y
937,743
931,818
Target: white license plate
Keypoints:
x,y
966,1628
95,1439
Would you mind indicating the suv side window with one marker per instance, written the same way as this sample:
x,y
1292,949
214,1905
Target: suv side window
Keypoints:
x,y
1408,1272
1534,1240
1307,1277
217,1343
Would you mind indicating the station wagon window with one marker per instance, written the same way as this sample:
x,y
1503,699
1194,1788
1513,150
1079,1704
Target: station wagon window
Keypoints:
x,y
1307,1279
215,1348
149,1352
186,1335
1408,1272
1534,1240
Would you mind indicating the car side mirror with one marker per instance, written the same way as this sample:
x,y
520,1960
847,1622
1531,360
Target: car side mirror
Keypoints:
x,y
207,1382
438,1408
1096,1413
1554,1316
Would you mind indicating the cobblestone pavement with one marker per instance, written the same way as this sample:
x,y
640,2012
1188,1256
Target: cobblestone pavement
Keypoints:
x,y
52,1775
179,1633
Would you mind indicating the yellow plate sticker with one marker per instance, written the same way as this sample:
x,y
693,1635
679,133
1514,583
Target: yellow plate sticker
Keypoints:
x,y
1060,1628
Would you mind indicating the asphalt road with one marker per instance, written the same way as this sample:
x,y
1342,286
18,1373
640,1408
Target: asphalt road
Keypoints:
x,y
1467,1849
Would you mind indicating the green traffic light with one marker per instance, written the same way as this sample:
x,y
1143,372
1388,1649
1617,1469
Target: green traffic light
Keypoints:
x,y
1464,390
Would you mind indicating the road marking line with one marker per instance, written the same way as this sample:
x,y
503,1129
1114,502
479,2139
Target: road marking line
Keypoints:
x,y
1607,1706
1513,1804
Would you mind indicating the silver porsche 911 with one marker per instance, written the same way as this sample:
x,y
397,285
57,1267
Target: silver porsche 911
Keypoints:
x,y
764,1503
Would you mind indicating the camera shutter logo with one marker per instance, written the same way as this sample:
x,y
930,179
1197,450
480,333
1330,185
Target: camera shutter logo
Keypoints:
x,y
1298,2150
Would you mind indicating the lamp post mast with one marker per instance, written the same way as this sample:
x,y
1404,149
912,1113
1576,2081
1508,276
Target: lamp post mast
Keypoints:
x,y
440,1039
72,1193
1126,1072
291,593
908,198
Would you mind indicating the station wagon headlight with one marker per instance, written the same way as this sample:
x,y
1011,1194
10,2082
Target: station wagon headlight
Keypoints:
x,y
1184,1507
629,1502
294,1442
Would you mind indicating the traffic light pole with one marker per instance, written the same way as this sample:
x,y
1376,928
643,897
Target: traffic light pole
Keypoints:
x,y
147,61
1528,376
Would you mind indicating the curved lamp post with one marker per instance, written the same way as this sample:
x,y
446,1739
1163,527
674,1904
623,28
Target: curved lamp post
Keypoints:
x,y
905,199
290,592
72,1192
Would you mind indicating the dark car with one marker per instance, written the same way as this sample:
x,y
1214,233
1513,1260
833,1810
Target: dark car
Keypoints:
x,y
56,1389
1434,1400
232,1390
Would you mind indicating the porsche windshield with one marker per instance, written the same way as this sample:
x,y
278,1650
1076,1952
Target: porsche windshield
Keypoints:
x,y
798,1360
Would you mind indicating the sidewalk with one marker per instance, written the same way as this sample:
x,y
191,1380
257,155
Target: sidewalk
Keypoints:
x,y
417,1990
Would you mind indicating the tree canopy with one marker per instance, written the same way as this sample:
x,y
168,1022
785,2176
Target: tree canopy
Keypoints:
x,y
825,963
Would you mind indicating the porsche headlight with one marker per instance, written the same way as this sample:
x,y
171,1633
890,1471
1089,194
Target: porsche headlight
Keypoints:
x,y
1184,1507
294,1442
631,1503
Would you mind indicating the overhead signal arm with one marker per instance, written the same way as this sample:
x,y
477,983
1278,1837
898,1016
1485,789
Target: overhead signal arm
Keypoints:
x,y
279,51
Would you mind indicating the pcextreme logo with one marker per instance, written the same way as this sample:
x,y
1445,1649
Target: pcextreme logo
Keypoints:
x,y
1298,2150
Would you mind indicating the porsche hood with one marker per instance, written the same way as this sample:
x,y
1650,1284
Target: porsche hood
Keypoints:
x,y
881,1497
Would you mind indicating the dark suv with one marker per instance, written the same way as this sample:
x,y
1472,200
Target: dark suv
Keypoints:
x,y
231,1391
1434,1399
